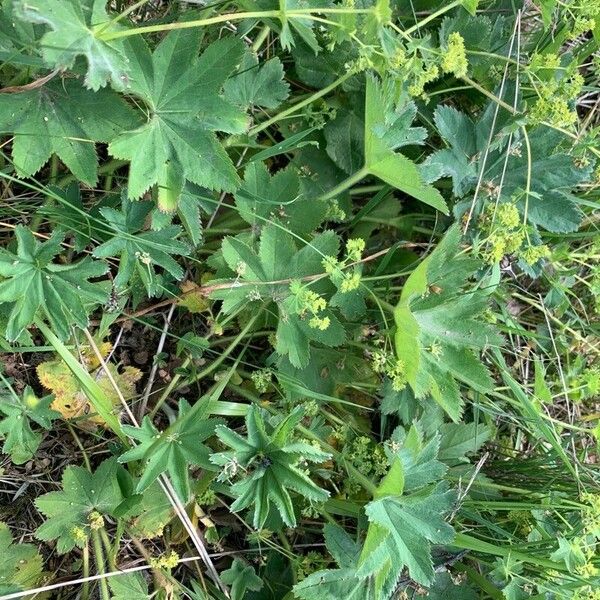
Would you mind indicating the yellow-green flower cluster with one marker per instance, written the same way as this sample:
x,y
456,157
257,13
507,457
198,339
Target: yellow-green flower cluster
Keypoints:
x,y
79,535
555,97
581,25
532,254
367,457
591,515
454,59
385,363
166,561
262,379
96,520
354,249
426,73
350,282
310,303
334,212
345,281
505,233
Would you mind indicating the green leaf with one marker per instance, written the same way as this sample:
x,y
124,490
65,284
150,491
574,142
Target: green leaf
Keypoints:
x,y
140,251
460,439
571,553
76,27
68,511
20,440
417,461
269,274
173,450
380,141
439,326
241,577
444,588
262,86
20,564
302,27
33,284
181,91
470,6
128,586
552,174
457,161
335,584
263,198
269,457
62,118
345,137
402,529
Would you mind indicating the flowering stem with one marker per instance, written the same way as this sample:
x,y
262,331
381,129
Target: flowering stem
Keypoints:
x,y
301,13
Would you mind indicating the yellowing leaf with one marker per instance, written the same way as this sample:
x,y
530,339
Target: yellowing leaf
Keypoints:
x,y
192,297
70,399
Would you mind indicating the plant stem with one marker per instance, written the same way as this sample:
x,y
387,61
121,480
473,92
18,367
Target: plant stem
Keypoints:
x,y
295,107
85,590
260,38
99,557
306,13
432,16
347,183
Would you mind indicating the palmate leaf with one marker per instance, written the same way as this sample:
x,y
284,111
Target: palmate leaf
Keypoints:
x,y
257,86
33,284
128,586
439,325
554,173
263,198
334,584
266,275
173,450
140,251
20,440
402,528
20,564
62,118
270,458
76,27
241,577
380,141
67,512
181,92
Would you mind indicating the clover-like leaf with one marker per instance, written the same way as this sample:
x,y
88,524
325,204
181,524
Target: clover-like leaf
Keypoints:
x,y
380,141
256,85
402,528
275,273
439,326
20,564
241,577
62,118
